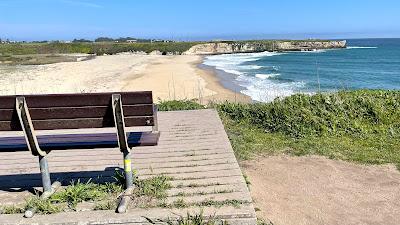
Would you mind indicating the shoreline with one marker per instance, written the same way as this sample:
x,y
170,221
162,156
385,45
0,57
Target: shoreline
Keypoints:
x,y
181,77
219,83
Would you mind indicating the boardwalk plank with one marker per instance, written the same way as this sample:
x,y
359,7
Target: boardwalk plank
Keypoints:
x,y
193,149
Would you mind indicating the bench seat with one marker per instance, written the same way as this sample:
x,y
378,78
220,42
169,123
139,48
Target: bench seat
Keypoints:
x,y
79,141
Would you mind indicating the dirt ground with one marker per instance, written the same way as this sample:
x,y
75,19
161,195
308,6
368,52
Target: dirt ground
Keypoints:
x,y
315,190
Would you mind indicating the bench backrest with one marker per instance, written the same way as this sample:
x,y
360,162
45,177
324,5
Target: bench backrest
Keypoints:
x,y
72,111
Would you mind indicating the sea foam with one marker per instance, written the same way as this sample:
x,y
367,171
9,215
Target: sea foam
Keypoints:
x,y
266,76
266,90
259,86
360,47
232,63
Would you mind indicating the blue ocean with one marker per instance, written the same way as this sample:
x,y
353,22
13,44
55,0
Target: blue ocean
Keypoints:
x,y
364,64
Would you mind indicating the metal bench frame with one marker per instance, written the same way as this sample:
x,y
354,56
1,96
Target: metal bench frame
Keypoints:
x,y
33,146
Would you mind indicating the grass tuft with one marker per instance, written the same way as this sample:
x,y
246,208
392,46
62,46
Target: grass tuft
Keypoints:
x,y
180,203
155,187
11,209
263,222
43,206
107,205
229,202
189,219
179,105
79,192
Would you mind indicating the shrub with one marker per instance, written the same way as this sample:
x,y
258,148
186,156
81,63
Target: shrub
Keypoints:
x,y
93,48
355,113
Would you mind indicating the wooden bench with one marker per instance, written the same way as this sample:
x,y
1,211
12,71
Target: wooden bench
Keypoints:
x,y
76,111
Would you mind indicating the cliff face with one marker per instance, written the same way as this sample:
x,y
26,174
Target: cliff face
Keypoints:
x,y
309,45
254,46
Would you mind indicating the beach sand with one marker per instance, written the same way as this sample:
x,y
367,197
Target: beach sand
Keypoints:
x,y
169,77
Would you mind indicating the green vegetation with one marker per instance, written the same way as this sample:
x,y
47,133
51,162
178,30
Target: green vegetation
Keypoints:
x,y
179,105
180,203
37,59
43,206
189,219
80,192
11,209
98,48
358,114
183,194
155,187
361,126
104,196
107,205
263,222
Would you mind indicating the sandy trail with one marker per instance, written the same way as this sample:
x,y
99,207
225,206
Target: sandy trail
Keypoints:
x,y
316,190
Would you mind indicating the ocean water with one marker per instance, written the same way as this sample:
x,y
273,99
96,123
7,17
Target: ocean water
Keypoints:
x,y
365,64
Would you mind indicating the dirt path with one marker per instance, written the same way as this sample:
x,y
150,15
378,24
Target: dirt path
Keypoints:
x,y
316,190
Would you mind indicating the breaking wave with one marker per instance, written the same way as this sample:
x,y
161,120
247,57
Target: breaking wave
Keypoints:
x,y
360,47
258,84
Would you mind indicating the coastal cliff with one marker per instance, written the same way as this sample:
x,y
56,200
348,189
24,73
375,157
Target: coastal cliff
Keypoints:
x,y
260,46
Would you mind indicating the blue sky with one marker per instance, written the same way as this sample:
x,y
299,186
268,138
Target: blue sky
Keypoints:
x,y
198,19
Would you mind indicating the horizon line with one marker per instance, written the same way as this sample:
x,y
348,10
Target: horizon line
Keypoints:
x,y
192,39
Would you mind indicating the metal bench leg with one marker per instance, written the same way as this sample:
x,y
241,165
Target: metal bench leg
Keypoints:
x,y
126,196
44,171
128,170
155,127
33,146
123,146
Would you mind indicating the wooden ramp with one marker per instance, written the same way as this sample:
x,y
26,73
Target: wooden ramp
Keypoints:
x,y
193,149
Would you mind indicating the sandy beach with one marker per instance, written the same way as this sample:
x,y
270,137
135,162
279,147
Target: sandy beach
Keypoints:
x,y
169,77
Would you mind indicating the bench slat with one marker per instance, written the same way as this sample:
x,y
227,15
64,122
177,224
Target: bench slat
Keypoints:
x,y
79,141
77,123
76,100
77,112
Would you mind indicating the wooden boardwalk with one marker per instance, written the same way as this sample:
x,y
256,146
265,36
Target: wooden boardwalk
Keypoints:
x,y
194,150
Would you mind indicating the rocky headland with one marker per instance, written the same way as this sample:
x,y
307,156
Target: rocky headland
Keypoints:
x,y
230,47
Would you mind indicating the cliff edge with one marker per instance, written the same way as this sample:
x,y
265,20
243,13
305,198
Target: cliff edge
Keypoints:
x,y
261,46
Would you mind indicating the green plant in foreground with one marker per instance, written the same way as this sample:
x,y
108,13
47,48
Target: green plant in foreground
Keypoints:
x,y
11,209
104,195
155,187
179,105
356,113
108,205
79,192
43,206
180,203
263,222
190,219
